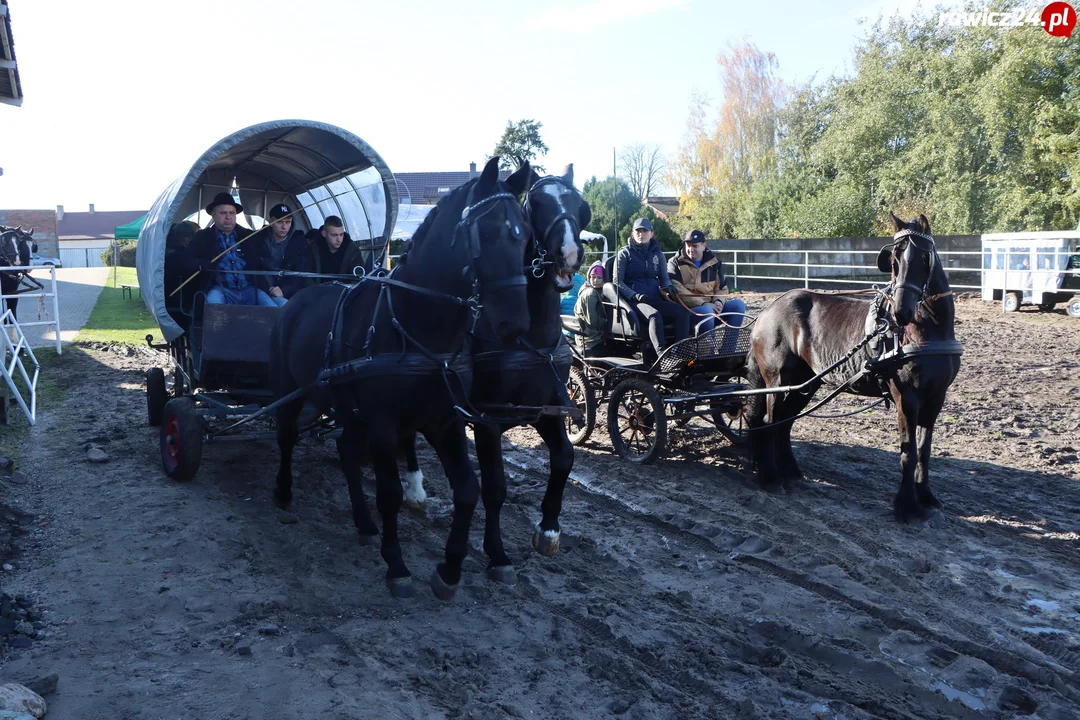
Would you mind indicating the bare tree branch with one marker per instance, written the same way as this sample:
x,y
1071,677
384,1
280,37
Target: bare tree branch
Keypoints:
x,y
642,165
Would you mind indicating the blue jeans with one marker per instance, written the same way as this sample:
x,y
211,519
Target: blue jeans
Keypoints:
x,y
730,334
217,296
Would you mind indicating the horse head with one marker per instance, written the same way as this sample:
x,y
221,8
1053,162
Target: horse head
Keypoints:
x,y
11,240
911,259
487,246
557,213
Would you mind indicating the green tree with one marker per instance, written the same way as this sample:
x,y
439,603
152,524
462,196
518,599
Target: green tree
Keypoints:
x,y
613,206
520,143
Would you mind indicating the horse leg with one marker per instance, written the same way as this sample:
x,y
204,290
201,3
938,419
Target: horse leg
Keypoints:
x,y
927,417
493,491
906,503
561,454
286,440
350,447
415,497
449,444
388,499
760,413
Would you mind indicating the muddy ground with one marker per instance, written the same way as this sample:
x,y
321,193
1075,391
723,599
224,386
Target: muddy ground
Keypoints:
x,y
680,591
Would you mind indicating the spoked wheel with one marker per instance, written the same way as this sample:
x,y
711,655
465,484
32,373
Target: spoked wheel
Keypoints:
x,y
731,423
636,421
156,395
181,439
584,397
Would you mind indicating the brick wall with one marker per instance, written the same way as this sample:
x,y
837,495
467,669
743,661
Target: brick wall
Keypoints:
x,y
44,224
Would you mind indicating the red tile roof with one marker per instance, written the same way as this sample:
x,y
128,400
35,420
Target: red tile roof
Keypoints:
x,y
427,187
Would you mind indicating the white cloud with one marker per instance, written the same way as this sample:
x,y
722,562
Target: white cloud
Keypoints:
x,y
589,16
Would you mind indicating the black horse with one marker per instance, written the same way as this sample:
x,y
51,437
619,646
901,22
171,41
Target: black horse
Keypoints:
x,y
803,333
404,338
529,374
16,247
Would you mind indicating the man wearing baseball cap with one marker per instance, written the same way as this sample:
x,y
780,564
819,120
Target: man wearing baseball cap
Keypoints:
x,y
698,276
279,246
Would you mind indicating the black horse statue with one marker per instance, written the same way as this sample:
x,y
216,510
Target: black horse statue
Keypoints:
x,y
523,377
803,333
401,366
16,247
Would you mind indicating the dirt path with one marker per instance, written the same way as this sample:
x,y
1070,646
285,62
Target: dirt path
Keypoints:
x,y
681,591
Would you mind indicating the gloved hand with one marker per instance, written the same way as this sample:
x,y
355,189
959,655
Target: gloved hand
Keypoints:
x,y
206,266
669,294
639,298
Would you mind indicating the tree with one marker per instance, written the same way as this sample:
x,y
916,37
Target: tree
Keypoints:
x,y
642,165
520,143
613,205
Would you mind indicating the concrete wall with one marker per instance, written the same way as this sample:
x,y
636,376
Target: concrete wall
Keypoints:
x,y
842,251
44,224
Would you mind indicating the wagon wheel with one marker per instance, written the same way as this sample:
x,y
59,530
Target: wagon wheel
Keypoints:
x,y
584,397
181,439
1073,308
1012,301
156,395
730,421
636,421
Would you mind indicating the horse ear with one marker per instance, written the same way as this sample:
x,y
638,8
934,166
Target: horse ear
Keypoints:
x,y
924,225
568,173
521,180
897,223
31,233
884,259
490,173
584,214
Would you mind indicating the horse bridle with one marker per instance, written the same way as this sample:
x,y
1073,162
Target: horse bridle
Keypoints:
x,y
469,224
540,262
912,237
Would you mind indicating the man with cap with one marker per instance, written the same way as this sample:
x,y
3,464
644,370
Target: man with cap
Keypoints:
x,y
222,278
279,246
592,318
699,279
642,276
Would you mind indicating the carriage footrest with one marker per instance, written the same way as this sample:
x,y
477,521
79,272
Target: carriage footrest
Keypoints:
x,y
537,411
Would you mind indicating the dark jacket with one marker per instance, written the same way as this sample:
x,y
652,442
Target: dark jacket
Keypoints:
x,y
204,247
641,270
697,285
319,259
295,247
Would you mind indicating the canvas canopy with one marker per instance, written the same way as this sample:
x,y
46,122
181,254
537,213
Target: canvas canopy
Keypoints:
x,y
306,164
129,231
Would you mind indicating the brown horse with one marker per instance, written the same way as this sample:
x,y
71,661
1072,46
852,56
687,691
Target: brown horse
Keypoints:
x,y
803,333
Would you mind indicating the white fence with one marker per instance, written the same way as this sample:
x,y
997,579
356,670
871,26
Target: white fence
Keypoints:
x,y
14,371
48,298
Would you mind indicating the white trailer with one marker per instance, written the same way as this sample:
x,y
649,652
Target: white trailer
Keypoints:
x,y
1038,268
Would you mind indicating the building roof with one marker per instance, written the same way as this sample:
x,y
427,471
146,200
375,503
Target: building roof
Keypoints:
x,y
663,206
10,85
426,188
94,225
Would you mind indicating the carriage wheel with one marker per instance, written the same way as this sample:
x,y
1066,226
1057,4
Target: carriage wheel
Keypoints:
x,y
1012,301
181,439
156,395
584,397
636,421
1073,308
731,422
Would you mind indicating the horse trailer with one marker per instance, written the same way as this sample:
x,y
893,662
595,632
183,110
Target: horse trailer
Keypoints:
x,y
1038,268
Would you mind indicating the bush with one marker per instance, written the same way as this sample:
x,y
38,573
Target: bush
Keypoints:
x,y
125,254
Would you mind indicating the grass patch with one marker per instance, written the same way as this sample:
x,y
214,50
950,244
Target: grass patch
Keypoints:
x,y
117,319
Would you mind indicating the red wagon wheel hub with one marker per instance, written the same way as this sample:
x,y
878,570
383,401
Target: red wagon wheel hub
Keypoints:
x,y
172,441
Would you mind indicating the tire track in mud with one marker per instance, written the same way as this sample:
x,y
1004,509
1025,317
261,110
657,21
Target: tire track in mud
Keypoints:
x,y
1063,681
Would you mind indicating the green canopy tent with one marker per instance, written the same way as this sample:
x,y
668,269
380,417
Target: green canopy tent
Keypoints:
x,y
129,231
125,232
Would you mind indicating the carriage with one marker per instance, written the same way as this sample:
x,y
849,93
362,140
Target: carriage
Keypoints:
x,y
700,376
1039,268
219,354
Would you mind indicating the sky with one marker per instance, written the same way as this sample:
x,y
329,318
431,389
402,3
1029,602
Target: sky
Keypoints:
x,y
121,97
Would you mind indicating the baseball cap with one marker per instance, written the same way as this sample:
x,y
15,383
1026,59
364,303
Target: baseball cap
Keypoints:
x,y
279,211
694,236
642,223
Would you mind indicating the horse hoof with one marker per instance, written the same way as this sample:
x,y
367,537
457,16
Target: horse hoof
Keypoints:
x,y
367,540
911,512
419,508
442,590
400,588
504,574
282,499
546,542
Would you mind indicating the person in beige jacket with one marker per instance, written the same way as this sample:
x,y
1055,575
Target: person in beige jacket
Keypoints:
x,y
698,277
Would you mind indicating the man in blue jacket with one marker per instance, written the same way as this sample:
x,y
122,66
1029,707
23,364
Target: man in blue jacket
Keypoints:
x,y
223,279
642,275
279,246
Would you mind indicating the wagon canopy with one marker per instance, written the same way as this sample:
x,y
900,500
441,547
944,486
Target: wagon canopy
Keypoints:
x,y
319,167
